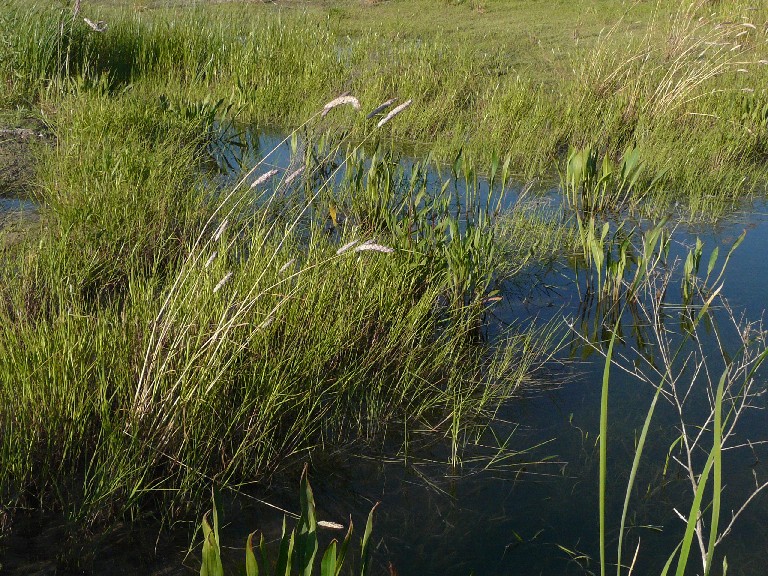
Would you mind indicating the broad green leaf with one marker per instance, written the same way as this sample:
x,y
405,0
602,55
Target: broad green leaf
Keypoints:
x,y
306,538
328,563
712,260
283,566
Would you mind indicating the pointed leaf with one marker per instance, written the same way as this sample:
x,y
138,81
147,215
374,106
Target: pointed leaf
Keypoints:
x,y
343,551
328,564
306,538
251,566
283,566
365,552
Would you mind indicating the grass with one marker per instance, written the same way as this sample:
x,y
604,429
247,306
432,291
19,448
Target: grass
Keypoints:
x,y
644,76
159,333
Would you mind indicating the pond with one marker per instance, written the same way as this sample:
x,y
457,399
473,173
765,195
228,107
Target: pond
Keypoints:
x,y
524,499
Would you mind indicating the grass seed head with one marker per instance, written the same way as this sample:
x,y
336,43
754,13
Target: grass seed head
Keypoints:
x,y
222,282
375,248
341,100
266,177
220,230
381,107
394,112
346,247
293,175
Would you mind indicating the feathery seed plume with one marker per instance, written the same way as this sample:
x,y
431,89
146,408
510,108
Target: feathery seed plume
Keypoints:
x,y
223,281
264,178
211,258
293,175
99,26
220,230
338,102
394,112
346,247
374,248
380,108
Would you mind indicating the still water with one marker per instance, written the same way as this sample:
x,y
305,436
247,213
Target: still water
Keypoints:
x,y
524,500
533,509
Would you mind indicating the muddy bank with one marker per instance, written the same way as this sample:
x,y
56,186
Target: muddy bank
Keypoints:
x,y
17,170
16,159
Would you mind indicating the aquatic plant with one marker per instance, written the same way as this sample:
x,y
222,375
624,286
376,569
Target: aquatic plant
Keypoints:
x,y
297,549
729,396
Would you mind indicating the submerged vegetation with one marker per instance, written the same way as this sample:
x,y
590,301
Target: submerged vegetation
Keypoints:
x,y
178,318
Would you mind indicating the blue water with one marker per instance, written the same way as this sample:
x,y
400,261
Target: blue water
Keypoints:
x,y
533,508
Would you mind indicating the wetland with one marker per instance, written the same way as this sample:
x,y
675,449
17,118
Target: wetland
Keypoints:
x,y
496,266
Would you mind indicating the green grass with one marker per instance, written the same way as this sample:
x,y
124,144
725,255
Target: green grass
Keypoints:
x,y
159,333
513,78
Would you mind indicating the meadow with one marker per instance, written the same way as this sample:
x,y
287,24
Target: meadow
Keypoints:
x,y
164,329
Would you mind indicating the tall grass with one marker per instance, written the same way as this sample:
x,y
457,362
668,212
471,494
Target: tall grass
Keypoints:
x,y
159,332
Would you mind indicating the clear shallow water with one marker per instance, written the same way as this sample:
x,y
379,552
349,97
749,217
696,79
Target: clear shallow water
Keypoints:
x,y
534,509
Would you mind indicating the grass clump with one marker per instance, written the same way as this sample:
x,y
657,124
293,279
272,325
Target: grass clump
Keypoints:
x,y
160,332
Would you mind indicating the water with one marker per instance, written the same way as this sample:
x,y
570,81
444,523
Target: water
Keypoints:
x,y
536,511
533,509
